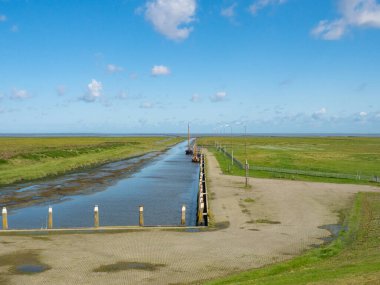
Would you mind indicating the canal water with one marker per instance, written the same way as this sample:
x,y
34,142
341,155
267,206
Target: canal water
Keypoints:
x,y
162,185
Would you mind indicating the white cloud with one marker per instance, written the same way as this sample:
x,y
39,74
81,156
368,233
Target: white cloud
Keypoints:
x,y
112,68
14,29
363,114
319,114
20,94
261,4
195,98
94,91
160,70
219,96
229,12
146,105
61,90
3,18
172,18
95,88
329,30
354,13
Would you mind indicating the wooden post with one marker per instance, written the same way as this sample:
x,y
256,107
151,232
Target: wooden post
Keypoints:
x,y
4,214
200,213
141,216
246,173
183,215
96,216
50,218
232,157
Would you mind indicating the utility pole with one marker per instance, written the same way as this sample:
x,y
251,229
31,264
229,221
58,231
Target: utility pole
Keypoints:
x,y
232,151
246,160
188,136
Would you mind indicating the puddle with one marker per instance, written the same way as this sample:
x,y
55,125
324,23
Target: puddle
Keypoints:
x,y
23,262
334,230
31,268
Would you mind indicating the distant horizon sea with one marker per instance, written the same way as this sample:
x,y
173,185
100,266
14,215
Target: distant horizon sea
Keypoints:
x,y
185,134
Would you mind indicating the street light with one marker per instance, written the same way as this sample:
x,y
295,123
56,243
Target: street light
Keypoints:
x,y
232,151
246,160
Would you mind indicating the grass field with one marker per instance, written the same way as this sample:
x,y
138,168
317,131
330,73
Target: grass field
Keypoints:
x,y
353,258
24,159
342,155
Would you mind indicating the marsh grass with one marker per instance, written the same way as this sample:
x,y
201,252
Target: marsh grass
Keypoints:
x,y
341,155
23,159
249,200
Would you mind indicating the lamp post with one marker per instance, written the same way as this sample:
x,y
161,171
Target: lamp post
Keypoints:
x,y
232,151
246,160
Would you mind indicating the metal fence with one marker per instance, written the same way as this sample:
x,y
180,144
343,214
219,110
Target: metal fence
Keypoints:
x,y
360,177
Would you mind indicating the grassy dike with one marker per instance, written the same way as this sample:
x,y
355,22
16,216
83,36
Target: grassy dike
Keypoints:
x,y
353,258
23,159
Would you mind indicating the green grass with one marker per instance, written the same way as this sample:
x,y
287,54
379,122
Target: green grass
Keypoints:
x,y
23,159
342,155
353,258
249,200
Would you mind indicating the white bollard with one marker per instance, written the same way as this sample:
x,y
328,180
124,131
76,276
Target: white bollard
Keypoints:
x,y
183,215
4,214
96,216
141,216
50,218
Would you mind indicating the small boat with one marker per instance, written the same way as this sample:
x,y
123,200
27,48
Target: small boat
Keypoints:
x,y
189,151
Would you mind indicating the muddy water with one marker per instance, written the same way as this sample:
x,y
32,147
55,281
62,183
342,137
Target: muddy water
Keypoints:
x,y
161,183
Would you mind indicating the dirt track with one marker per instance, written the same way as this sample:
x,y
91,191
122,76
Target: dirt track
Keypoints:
x,y
272,221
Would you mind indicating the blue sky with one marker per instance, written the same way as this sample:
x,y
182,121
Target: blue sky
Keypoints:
x,y
277,66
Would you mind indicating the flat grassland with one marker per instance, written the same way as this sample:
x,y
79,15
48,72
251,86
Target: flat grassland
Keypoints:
x,y
353,258
355,156
24,159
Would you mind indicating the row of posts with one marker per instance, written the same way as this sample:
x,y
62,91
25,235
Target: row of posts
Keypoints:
x,y
219,147
4,214
202,203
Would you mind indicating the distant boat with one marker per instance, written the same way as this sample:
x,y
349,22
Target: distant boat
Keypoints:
x,y
189,151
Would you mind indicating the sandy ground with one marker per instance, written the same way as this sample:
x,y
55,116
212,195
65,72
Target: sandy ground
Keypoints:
x,y
289,214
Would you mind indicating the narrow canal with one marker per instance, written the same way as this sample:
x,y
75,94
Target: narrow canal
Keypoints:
x,y
162,185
